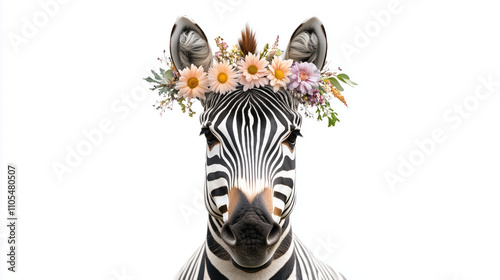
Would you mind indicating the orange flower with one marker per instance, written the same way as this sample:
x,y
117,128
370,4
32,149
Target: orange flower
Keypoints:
x,y
279,72
222,78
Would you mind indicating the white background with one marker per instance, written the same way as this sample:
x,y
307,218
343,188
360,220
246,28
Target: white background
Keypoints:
x,y
130,209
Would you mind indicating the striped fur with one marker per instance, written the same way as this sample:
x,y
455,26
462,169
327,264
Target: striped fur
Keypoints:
x,y
294,261
251,126
251,163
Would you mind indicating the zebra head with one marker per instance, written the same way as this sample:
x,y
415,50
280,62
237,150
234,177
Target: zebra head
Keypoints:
x,y
251,136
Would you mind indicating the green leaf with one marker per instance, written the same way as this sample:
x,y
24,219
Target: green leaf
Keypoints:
x,y
321,89
336,83
332,119
345,79
157,77
351,83
150,80
331,122
169,75
264,52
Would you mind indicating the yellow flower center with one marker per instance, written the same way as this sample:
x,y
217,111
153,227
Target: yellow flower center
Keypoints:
x,y
222,78
279,74
252,69
303,76
193,82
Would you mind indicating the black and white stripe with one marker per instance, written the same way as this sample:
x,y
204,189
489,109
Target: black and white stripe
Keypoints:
x,y
251,127
292,260
251,163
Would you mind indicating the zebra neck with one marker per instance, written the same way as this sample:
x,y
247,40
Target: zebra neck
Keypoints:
x,y
219,265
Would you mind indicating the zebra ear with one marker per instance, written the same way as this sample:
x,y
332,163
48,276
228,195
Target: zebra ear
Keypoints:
x,y
189,45
308,43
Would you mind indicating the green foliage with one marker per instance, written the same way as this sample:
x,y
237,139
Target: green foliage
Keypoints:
x,y
325,111
345,79
157,77
315,103
264,51
168,75
164,84
335,83
150,80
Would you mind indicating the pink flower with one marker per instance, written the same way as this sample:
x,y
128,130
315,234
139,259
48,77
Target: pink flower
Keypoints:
x,y
253,72
193,83
305,76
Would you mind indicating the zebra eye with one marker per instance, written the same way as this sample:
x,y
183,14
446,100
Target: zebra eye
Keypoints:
x,y
292,138
211,139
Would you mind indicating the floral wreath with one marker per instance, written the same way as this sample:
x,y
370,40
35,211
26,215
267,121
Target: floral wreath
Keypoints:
x,y
314,89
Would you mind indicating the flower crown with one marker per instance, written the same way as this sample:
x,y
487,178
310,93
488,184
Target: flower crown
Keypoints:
x,y
313,89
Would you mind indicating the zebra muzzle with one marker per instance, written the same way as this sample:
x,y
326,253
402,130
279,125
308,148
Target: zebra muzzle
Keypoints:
x,y
251,233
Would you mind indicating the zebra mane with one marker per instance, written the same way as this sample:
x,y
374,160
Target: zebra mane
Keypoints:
x,y
247,42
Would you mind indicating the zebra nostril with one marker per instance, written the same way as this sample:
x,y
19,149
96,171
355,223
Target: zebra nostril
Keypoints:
x,y
228,235
274,235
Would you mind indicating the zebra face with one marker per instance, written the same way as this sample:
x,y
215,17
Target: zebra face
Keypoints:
x,y
251,138
251,141
250,168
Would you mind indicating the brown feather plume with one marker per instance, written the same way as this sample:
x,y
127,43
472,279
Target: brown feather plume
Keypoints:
x,y
247,42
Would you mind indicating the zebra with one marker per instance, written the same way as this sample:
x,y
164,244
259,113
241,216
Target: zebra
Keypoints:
x,y
250,167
